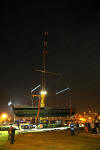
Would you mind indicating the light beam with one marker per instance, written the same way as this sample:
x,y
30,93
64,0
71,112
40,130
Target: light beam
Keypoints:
x,y
62,91
35,88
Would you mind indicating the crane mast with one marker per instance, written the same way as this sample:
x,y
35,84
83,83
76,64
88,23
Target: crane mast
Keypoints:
x,y
44,52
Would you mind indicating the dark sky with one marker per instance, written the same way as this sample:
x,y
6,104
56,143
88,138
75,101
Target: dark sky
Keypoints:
x,y
73,51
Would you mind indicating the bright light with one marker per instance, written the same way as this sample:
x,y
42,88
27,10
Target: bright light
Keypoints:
x,y
4,116
62,91
9,119
9,103
89,118
35,88
43,92
83,119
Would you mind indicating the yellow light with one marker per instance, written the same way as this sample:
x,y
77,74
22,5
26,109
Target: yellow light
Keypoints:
x,y
83,119
4,116
89,118
43,92
9,119
84,113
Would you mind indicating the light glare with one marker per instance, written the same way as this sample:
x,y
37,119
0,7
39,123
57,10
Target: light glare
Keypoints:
x,y
43,92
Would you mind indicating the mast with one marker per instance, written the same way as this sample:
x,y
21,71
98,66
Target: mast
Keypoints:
x,y
44,52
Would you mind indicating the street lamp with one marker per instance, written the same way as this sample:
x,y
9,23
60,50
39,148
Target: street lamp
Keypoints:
x,y
4,116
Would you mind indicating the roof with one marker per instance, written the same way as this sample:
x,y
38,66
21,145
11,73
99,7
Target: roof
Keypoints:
x,y
44,112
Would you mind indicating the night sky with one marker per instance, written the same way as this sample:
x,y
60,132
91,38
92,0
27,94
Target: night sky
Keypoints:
x,y
73,50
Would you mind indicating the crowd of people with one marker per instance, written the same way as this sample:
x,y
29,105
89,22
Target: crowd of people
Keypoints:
x,y
90,127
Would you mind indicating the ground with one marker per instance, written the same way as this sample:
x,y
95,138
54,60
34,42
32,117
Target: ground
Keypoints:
x,y
51,140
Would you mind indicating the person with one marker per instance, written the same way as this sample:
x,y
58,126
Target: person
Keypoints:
x,y
86,127
72,129
18,123
11,134
96,126
92,127
77,128
89,127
